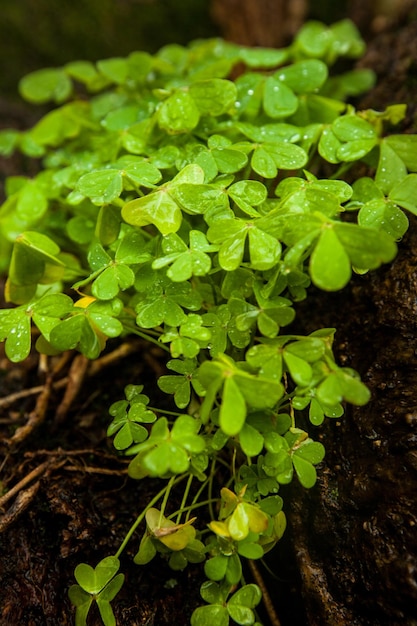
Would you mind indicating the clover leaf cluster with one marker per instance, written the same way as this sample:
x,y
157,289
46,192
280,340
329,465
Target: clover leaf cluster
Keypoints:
x,y
182,198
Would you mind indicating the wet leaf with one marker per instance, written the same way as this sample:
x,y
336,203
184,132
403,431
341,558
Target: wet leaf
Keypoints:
x,y
179,113
279,100
214,96
304,76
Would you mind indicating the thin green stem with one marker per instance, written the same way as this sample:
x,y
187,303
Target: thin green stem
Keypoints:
x,y
191,507
145,336
165,500
292,416
184,497
210,489
141,516
345,167
200,491
164,411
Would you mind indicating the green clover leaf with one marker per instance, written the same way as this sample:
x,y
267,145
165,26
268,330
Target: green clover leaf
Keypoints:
x,y
305,456
87,327
100,584
213,96
279,100
186,262
35,259
15,328
180,386
384,215
240,388
231,234
242,603
405,147
357,137
160,207
239,607
167,451
304,76
269,157
404,193
391,168
166,305
342,384
343,244
179,113
105,185
128,423
45,85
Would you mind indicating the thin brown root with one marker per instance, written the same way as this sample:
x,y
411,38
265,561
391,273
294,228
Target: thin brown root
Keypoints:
x,y
36,417
266,598
76,378
35,473
26,393
95,470
112,357
23,499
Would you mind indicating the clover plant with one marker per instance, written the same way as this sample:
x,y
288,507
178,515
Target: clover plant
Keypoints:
x,y
191,198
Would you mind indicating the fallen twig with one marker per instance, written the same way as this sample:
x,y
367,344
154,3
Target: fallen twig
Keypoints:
x,y
21,503
35,473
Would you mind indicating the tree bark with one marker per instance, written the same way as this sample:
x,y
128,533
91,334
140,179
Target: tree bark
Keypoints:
x,y
269,23
355,536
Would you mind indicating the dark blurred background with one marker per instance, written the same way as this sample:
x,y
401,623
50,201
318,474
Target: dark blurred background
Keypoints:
x,y
44,33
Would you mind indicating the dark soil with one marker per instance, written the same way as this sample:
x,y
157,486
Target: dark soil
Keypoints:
x,y
350,555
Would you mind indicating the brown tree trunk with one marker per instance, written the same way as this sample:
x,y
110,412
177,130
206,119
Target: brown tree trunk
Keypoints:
x,y
269,23
355,534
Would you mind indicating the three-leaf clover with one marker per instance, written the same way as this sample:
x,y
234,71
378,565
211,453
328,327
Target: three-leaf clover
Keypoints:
x,y
239,388
181,385
167,450
128,417
100,584
239,607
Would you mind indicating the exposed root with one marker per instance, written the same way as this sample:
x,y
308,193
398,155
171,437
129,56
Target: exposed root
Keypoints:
x,y
21,503
38,471
80,369
96,470
36,417
124,350
76,378
19,395
266,598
